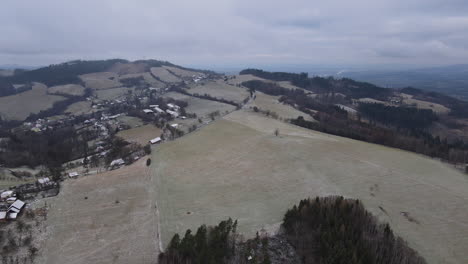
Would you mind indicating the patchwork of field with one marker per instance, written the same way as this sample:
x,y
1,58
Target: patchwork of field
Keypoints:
x,y
164,75
237,168
147,77
220,89
79,108
140,135
100,80
201,107
103,218
67,89
238,79
181,72
268,102
113,93
437,108
20,106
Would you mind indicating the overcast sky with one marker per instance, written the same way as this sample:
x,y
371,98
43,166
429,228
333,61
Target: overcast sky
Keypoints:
x,y
233,32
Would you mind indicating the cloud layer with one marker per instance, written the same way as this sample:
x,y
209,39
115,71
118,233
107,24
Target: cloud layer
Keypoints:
x,y
233,32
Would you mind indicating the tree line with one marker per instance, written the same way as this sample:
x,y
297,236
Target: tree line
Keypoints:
x,y
405,117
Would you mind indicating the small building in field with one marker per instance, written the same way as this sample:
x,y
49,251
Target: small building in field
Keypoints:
x,y
12,215
175,125
6,194
172,113
155,140
117,162
148,111
159,110
16,206
44,180
73,174
11,200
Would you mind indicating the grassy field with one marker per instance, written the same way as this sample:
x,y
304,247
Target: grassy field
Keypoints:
x,y
67,89
117,223
201,107
147,77
271,103
140,135
7,179
220,89
237,168
112,93
437,108
181,72
20,106
101,80
164,75
79,108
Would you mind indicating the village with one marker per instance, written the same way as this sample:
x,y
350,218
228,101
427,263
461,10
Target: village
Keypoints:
x,y
98,130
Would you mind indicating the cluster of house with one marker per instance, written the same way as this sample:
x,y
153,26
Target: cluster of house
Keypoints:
x,y
42,124
172,109
197,78
10,206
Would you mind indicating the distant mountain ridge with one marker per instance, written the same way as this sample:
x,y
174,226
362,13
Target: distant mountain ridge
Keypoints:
x,y
451,80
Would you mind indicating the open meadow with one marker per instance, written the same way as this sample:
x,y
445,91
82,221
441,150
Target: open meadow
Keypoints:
x,y
164,75
140,135
67,89
270,103
220,89
20,106
103,218
201,107
237,168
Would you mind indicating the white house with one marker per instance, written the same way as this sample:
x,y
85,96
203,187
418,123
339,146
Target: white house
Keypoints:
x,y
6,195
159,110
73,174
45,180
175,125
148,111
172,113
117,162
155,140
16,206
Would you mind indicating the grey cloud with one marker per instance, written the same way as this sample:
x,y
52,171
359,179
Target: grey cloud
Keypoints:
x,y
236,31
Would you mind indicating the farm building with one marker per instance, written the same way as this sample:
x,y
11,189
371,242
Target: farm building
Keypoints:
x,y
16,206
172,113
117,162
6,194
12,215
148,111
155,140
45,180
159,110
73,174
173,106
175,125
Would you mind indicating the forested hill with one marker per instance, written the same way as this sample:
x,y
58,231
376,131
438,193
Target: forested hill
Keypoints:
x,y
67,73
354,89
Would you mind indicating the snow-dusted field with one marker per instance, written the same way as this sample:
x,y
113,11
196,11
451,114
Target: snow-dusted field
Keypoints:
x,y
237,168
